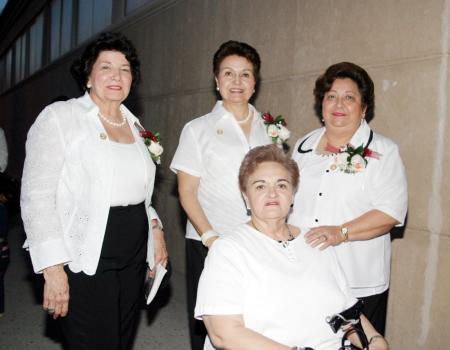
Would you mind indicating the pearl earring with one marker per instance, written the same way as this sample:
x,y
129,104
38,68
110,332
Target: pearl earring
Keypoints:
x,y
88,85
217,88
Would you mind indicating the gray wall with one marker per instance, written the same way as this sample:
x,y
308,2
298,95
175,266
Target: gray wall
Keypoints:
x,y
402,43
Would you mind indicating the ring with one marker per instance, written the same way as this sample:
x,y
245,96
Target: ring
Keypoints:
x,y
51,311
324,238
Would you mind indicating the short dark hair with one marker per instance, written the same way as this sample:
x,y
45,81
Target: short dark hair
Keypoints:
x,y
262,154
341,71
108,41
237,48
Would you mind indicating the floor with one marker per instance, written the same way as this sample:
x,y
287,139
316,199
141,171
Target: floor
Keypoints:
x,y
162,326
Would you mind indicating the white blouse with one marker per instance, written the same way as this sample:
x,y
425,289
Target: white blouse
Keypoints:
x,y
212,148
129,175
327,197
284,292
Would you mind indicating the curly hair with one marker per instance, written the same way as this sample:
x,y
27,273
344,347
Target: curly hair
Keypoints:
x,y
262,154
341,71
108,41
237,48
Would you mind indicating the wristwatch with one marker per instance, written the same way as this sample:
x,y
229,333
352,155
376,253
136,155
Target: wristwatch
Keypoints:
x,y
344,233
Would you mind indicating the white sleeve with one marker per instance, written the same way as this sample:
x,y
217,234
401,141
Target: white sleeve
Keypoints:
x,y
221,290
389,192
41,173
3,151
188,156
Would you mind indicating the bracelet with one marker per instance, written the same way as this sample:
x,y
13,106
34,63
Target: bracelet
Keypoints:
x,y
375,337
207,235
155,226
344,234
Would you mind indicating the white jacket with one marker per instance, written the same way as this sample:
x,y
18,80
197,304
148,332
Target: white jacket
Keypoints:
x,y
67,183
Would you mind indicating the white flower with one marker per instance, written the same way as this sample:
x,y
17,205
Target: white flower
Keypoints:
x,y
155,149
272,130
283,133
341,158
358,163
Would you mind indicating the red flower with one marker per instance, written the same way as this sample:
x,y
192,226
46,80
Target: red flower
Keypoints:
x,y
372,154
148,135
268,119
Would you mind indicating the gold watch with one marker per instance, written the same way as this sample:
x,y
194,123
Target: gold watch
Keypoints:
x,y
344,233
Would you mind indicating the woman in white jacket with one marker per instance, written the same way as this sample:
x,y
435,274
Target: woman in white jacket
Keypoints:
x,y
86,191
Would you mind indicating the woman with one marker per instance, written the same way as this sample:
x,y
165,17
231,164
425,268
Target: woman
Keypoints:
x,y
207,162
86,189
262,286
353,188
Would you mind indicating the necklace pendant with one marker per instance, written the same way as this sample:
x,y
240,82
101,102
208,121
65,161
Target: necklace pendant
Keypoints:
x,y
285,244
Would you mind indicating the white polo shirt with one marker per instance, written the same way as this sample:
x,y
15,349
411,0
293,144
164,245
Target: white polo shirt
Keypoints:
x,y
283,292
212,147
333,198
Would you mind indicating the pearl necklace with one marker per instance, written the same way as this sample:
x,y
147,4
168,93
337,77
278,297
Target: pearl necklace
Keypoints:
x,y
250,114
110,122
285,242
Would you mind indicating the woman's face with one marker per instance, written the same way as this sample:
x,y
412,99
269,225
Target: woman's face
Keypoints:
x,y
236,80
341,106
269,192
110,78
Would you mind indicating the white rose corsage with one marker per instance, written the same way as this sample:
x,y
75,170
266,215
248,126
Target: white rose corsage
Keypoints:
x,y
276,129
353,160
152,141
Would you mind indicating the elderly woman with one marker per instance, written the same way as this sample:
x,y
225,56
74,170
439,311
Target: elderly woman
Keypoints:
x,y
86,190
207,162
353,188
262,286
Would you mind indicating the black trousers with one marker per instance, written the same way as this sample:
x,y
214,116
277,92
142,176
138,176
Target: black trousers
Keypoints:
x,y
103,308
375,309
195,260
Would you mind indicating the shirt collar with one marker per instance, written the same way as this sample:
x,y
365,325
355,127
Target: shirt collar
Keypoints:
x,y
91,108
221,111
310,142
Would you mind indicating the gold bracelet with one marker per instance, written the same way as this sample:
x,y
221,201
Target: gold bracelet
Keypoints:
x,y
375,337
154,227
344,233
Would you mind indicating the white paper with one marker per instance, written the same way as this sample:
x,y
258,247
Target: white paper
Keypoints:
x,y
160,272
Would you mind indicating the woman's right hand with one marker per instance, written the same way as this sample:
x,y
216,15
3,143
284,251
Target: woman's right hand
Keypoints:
x,y
56,291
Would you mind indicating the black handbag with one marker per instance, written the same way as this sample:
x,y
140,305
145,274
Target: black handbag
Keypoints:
x,y
350,317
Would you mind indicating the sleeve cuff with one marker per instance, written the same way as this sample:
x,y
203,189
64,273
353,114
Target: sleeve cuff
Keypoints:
x,y
154,215
48,253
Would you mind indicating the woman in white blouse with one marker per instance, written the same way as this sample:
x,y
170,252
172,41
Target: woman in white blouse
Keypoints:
x,y
86,190
353,188
263,287
207,162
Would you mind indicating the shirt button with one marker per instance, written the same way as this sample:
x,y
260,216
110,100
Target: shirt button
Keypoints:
x,y
316,220
328,170
320,193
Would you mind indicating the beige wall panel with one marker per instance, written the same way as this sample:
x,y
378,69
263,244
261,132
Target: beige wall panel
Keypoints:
x,y
407,112
407,326
365,31
406,290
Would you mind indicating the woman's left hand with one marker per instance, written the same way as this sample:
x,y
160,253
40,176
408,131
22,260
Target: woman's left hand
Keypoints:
x,y
324,236
159,246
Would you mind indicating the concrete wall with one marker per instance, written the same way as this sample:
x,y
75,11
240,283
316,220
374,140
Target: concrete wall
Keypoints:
x,y
404,46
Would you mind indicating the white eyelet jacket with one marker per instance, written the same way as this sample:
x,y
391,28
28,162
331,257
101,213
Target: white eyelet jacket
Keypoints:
x,y
67,183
